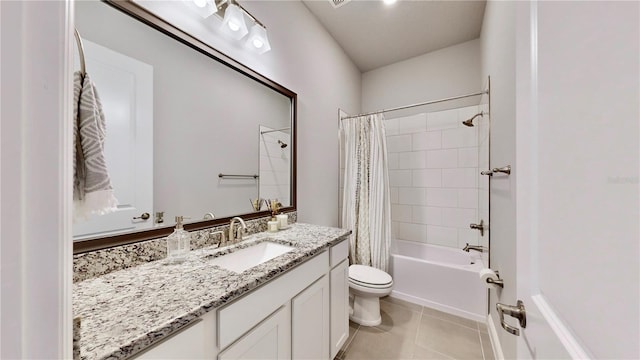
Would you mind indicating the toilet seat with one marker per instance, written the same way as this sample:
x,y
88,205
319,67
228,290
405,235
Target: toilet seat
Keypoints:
x,y
369,277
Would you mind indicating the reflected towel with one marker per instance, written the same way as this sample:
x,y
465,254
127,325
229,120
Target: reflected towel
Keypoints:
x,y
92,191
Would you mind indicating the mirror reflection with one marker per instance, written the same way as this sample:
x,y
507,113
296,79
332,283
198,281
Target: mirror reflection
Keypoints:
x,y
186,134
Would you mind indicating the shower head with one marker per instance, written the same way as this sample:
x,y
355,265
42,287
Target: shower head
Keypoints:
x,y
282,144
470,121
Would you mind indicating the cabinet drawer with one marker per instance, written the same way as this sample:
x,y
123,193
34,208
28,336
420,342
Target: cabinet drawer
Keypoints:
x,y
243,314
339,252
191,342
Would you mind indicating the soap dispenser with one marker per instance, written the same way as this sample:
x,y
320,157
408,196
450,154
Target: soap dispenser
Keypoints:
x,y
178,243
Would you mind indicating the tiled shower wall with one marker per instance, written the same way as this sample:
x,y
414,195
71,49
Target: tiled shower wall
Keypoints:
x,y
433,173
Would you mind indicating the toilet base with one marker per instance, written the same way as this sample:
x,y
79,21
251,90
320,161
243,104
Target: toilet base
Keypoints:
x,y
366,311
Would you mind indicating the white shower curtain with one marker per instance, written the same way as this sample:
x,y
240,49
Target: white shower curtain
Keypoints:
x,y
366,208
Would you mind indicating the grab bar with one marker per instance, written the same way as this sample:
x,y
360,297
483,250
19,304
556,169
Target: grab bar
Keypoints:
x,y
232,176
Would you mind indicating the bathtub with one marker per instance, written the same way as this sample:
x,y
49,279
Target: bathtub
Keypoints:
x,y
438,277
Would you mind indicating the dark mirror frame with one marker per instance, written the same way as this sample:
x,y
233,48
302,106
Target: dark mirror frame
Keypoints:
x,y
168,29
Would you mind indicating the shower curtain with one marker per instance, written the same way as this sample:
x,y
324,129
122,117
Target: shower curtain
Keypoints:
x,y
366,208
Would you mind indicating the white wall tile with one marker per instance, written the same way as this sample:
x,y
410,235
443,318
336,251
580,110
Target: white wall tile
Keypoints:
x,y
468,198
445,236
412,160
460,137
442,159
442,197
393,193
433,163
412,232
427,215
398,143
412,124
401,212
460,178
459,218
468,157
394,229
412,196
427,140
400,178
404,160
391,126
447,119
418,159
468,236
393,161
427,178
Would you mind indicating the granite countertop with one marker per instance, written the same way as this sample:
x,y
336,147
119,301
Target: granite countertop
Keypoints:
x,y
125,311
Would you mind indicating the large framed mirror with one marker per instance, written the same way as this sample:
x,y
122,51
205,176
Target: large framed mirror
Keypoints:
x,y
190,132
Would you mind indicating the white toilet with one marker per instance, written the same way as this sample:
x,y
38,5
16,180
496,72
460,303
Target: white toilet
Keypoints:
x,y
366,286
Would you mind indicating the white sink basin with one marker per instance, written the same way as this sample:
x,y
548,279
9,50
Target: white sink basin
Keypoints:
x,y
241,260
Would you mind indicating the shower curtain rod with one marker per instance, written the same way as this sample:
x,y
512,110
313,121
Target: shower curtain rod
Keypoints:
x,y
419,104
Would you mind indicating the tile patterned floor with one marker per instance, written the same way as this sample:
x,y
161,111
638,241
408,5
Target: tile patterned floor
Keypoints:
x,y
410,331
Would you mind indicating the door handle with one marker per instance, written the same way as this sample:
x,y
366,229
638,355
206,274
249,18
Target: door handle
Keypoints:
x,y
143,216
517,312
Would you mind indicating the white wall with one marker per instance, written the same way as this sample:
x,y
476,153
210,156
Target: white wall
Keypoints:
x,y
443,73
35,180
433,167
497,41
305,59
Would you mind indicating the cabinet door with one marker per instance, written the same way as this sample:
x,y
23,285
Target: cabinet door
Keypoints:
x,y
310,334
339,306
271,339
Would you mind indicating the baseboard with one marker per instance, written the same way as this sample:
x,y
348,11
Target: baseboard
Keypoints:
x,y
437,306
495,340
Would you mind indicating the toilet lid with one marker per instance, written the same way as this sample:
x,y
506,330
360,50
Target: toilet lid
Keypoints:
x,y
368,275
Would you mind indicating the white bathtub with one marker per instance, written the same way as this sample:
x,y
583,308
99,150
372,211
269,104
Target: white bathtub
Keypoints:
x,y
438,277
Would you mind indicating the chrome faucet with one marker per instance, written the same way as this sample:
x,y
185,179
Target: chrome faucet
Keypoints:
x,y
473,247
236,235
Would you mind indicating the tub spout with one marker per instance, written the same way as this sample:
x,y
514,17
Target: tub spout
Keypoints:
x,y
473,247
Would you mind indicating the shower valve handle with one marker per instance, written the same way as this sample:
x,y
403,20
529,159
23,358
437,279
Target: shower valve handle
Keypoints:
x,y
478,227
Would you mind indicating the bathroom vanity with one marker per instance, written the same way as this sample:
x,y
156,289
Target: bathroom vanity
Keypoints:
x,y
292,306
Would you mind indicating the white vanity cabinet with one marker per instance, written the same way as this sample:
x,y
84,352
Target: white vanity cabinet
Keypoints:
x,y
302,314
269,340
339,304
339,307
310,335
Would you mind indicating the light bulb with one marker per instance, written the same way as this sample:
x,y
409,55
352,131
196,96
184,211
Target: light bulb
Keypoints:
x,y
233,26
258,43
389,2
200,3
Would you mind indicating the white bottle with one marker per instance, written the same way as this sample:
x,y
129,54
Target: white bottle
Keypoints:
x,y
178,243
272,226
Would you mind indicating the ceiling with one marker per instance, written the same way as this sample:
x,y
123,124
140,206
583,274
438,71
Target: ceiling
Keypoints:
x,y
373,34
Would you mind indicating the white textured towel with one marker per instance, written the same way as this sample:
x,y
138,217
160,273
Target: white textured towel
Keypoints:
x,y
92,191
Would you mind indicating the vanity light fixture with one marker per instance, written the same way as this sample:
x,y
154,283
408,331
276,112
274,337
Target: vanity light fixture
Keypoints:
x,y
204,8
233,22
258,40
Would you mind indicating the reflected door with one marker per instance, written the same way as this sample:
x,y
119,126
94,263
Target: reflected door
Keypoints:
x,y
125,87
